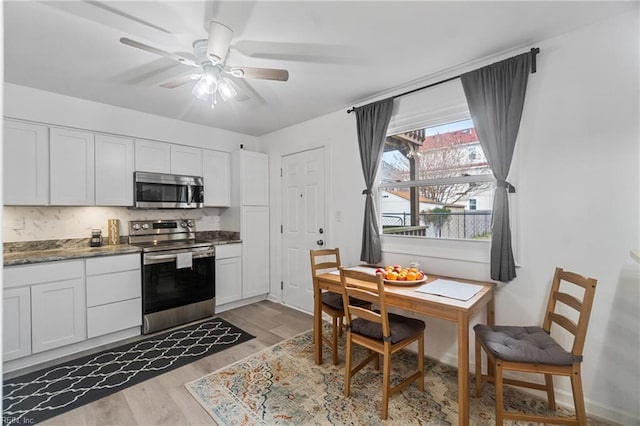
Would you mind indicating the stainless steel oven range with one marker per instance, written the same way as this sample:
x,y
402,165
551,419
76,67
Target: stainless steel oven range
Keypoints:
x,y
178,273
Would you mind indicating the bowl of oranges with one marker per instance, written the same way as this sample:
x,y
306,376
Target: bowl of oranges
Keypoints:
x,y
399,275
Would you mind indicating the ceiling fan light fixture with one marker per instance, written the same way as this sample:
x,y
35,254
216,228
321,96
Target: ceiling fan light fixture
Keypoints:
x,y
204,88
219,41
226,90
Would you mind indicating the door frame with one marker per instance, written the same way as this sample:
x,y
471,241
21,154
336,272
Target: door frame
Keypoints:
x,y
325,145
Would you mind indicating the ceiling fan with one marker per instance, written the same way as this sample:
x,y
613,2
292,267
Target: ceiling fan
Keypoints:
x,y
212,78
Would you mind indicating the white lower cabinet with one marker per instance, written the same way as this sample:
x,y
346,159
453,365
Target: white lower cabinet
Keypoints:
x,y
114,294
58,314
54,304
228,273
16,323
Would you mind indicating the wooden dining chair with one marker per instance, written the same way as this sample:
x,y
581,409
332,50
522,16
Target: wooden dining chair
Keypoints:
x,y
382,332
326,260
533,350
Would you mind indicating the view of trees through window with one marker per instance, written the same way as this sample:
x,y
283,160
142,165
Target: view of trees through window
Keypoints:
x,y
436,182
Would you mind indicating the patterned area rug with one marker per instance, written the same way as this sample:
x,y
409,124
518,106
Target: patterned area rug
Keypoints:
x,y
43,394
284,385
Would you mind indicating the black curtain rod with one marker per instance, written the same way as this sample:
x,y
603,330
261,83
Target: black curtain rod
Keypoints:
x,y
534,51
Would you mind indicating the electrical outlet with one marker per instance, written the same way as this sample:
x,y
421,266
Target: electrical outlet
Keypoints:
x,y
18,223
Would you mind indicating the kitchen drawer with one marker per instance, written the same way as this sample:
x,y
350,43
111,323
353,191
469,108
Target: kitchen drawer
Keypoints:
x,y
224,251
109,264
15,276
108,288
114,317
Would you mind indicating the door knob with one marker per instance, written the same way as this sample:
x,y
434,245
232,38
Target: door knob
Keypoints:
x,y
321,231
320,242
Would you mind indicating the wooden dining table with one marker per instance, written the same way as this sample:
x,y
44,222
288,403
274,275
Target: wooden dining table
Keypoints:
x,y
408,298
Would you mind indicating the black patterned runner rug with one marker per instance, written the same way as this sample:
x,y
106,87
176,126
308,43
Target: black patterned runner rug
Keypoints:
x,y
43,394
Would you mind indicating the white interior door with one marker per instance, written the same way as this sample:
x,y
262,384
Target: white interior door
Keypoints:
x,y
303,223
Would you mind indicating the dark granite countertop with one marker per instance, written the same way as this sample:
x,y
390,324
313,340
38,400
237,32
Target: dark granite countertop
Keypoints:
x,y
51,255
29,252
219,242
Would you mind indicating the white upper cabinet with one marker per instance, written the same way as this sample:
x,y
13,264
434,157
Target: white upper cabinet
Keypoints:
x,y
25,163
114,171
255,175
216,173
186,160
152,156
71,167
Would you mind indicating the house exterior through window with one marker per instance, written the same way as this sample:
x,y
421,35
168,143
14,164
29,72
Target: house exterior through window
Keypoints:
x,y
435,182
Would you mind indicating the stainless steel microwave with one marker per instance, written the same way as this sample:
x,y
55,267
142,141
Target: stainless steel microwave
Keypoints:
x,y
164,191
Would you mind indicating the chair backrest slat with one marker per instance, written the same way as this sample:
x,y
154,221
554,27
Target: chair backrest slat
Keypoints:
x,y
564,322
583,307
319,261
568,300
363,294
367,287
368,314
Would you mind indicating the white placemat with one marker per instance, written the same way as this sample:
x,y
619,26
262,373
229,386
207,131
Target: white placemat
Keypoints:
x,y
366,269
450,289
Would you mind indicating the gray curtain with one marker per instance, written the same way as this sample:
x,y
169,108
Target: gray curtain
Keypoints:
x,y
372,122
495,95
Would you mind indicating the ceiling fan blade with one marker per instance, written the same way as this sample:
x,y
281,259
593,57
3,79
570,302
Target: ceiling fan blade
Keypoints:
x,y
180,81
261,73
151,49
302,52
105,6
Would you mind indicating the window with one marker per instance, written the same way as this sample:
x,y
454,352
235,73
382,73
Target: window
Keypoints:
x,y
436,183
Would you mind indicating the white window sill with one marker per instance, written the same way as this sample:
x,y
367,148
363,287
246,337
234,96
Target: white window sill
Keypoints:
x,y
475,251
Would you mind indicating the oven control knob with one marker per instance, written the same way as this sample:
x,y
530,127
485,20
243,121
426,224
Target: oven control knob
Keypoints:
x,y
145,226
183,224
136,226
190,223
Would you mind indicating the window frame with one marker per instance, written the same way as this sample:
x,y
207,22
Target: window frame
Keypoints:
x,y
431,122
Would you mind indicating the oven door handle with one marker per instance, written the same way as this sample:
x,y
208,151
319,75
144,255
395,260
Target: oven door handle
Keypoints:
x,y
161,257
189,195
173,256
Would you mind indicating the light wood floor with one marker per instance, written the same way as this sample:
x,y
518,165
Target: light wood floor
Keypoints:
x,y
164,400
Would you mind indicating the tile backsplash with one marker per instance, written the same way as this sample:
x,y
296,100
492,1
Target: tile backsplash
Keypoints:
x,y
50,223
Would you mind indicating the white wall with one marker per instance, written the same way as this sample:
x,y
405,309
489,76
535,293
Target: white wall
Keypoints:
x,y
42,223
26,103
577,206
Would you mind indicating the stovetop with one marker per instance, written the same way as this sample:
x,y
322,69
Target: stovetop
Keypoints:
x,y
162,235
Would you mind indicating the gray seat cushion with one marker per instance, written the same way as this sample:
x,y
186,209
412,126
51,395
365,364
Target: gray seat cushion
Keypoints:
x,y
334,300
524,344
401,327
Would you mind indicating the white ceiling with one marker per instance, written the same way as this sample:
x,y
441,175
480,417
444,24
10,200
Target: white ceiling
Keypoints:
x,y
338,53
